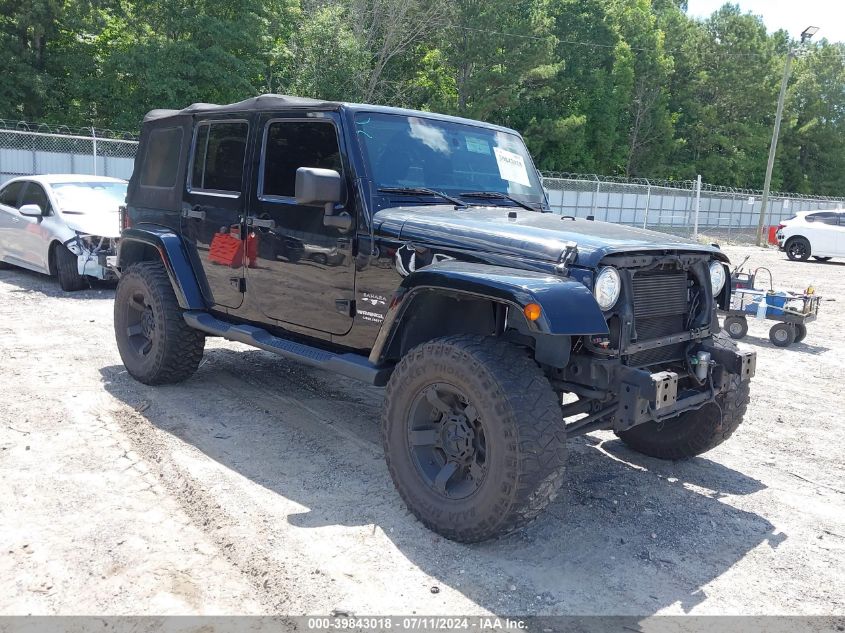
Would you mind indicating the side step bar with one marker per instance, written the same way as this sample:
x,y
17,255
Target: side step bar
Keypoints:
x,y
351,365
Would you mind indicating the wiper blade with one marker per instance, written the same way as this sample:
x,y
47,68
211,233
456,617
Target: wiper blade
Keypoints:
x,y
423,191
497,195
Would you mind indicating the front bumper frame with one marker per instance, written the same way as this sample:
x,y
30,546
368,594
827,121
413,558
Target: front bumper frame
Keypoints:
x,y
639,395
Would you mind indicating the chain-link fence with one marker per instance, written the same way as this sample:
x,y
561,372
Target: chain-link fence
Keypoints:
x,y
27,149
676,207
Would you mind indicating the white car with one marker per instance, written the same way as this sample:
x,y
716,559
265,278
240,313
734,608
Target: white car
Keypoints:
x,y
820,234
61,225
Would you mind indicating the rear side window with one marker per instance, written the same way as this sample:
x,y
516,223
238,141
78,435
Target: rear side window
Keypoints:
x,y
161,160
289,145
825,217
218,156
9,196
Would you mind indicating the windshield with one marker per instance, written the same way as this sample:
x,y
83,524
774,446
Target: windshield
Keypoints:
x,y
90,197
455,158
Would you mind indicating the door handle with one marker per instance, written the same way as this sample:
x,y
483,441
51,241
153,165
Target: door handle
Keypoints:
x,y
259,223
195,212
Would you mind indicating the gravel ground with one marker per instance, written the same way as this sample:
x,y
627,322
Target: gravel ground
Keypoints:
x,y
259,486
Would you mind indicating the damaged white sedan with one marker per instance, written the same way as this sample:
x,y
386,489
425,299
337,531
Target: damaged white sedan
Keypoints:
x,y
65,226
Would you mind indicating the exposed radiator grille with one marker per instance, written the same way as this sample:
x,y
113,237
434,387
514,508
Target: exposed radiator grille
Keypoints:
x,y
653,328
660,309
662,294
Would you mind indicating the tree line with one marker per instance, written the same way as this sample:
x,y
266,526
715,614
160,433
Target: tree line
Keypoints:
x,y
625,87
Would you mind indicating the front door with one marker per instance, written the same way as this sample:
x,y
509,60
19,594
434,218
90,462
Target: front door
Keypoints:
x,y
214,203
299,271
34,238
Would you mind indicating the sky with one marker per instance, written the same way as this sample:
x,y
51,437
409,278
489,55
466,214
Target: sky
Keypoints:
x,y
792,15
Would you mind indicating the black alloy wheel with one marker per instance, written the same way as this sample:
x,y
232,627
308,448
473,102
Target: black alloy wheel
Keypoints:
x,y
447,441
798,249
141,323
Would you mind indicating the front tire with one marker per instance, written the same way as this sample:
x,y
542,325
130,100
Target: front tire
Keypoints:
x,y
66,270
798,249
694,432
156,345
822,259
473,437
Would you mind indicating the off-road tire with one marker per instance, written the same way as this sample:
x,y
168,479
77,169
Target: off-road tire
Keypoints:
x,y
736,327
782,334
800,332
694,432
798,249
176,348
66,270
522,423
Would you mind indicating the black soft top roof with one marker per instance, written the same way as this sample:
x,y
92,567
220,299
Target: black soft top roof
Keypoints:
x,y
262,102
280,102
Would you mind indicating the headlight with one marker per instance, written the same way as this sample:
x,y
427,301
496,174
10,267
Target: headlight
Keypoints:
x,y
607,288
717,277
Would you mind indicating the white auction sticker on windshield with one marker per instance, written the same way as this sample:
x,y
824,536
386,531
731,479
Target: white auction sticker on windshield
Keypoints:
x,y
511,167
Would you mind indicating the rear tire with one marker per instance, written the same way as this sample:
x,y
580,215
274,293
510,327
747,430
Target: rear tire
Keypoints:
x,y
822,259
156,345
798,249
736,327
473,437
66,270
782,334
694,432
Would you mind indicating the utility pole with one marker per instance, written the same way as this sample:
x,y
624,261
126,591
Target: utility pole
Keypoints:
x,y
808,33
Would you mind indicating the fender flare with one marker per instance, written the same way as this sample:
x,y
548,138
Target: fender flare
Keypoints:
x,y
568,307
173,255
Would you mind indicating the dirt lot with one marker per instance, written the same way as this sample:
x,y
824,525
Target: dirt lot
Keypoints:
x,y
259,486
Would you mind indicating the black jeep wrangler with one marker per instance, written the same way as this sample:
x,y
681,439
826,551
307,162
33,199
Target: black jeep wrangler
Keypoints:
x,y
418,251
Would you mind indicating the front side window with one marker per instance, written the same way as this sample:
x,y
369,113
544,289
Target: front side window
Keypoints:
x,y
415,151
9,196
35,194
289,145
218,157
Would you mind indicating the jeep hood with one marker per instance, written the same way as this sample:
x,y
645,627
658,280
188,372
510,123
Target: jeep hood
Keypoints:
x,y
101,224
530,234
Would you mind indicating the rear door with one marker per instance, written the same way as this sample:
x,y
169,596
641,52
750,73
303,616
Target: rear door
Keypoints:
x,y
822,232
213,214
10,220
300,272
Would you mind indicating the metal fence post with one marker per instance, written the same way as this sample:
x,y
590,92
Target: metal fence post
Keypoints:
x,y
596,198
697,207
94,138
647,203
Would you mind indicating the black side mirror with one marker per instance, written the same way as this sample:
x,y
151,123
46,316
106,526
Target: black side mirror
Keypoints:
x,y
322,187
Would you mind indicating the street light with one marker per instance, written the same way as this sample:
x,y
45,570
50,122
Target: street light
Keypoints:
x,y
806,35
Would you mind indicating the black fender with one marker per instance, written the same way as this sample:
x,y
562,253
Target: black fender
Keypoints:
x,y
568,307
145,242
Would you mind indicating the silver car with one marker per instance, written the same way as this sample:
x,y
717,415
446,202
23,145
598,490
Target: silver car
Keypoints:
x,y
61,225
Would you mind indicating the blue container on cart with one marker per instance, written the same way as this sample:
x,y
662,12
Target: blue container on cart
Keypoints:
x,y
775,302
